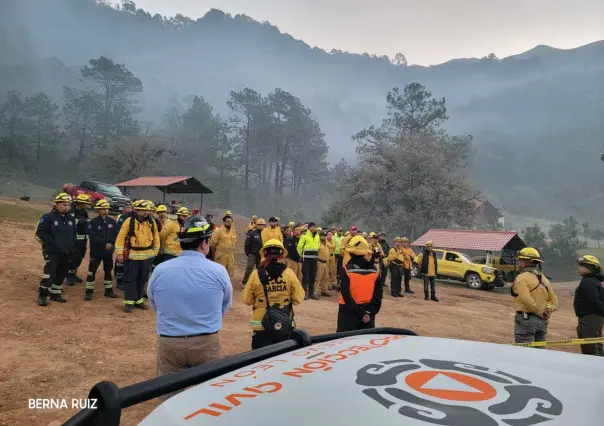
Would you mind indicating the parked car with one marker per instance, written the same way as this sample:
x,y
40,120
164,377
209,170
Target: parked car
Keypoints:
x,y
457,266
506,266
371,377
98,191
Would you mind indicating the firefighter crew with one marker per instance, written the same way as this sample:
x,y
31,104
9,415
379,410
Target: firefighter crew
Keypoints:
x,y
102,232
589,303
535,299
272,232
396,262
429,268
308,249
337,239
252,225
119,266
162,212
252,247
223,242
169,234
80,214
321,283
190,296
293,259
45,272
281,287
352,232
57,232
136,245
384,260
378,253
410,256
332,264
360,289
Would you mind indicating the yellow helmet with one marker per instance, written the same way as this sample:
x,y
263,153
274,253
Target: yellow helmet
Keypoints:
x,y
83,199
530,253
102,204
260,222
254,217
228,213
319,229
358,246
397,239
404,240
372,235
183,211
588,259
364,234
347,233
273,246
429,244
292,225
63,197
161,209
144,205
278,218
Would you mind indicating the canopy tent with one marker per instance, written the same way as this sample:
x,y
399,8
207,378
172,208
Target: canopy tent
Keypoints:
x,y
480,239
170,185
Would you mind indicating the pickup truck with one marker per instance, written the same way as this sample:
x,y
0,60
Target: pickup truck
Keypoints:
x,y
457,266
99,191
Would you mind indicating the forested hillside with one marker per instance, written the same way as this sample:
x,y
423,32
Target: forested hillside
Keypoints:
x,y
537,118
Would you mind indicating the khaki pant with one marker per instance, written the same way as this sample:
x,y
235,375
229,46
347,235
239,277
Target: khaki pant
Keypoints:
x,y
322,279
296,267
178,353
228,261
333,275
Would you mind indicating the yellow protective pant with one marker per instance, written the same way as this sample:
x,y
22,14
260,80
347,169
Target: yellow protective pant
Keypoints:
x,y
296,267
228,261
333,277
322,280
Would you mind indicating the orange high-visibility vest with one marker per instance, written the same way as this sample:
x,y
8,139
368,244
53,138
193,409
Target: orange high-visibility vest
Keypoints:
x,y
362,285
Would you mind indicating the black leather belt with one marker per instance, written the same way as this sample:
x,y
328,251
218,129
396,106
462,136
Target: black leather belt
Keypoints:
x,y
191,335
322,261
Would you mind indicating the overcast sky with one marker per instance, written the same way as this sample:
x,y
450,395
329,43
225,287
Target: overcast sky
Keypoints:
x,y
426,31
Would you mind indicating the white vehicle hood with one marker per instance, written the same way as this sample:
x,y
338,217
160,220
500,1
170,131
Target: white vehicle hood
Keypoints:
x,y
399,380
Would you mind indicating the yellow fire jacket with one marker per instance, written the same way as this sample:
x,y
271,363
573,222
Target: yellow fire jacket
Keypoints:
x,y
281,291
269,233
224,241
168,236
145,242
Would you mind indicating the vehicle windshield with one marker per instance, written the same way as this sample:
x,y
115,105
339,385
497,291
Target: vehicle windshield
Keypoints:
x,y
110,190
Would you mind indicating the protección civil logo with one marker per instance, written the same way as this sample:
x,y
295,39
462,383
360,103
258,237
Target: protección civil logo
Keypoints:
x,y
62,403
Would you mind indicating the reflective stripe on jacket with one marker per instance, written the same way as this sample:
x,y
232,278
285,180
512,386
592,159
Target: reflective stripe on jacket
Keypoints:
x,y
168,235
145,236
308,246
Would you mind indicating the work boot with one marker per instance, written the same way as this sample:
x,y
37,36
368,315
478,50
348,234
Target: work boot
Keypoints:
x,y
43,296
128,309
434,298
426,295
141,306
88,295
408,289
326,294
393,294
109,293
399,294
57,298
313,297
78,279
70,280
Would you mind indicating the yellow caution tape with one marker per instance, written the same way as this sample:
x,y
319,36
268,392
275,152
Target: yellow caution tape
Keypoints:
x,y
569,342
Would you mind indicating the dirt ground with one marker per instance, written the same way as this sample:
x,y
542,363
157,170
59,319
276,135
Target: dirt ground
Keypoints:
x,y
62,350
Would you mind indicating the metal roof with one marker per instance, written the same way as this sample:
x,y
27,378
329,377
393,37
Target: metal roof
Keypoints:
x,y
169,184
480,239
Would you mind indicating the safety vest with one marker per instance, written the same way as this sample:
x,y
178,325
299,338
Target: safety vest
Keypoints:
x,y
362,284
